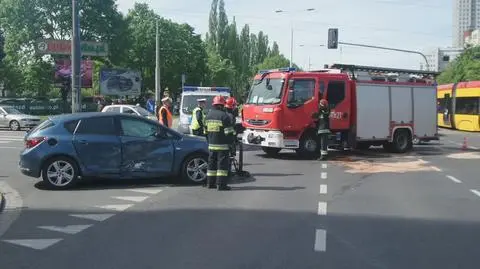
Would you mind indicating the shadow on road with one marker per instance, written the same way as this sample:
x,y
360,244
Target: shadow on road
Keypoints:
x,y
235,239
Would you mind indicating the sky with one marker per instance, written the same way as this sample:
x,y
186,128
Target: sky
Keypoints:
x,y
419,25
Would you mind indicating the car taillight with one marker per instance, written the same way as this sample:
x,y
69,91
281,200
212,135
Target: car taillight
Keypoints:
x,y
33,141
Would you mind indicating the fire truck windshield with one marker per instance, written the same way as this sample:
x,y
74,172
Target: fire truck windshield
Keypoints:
x,y
266,91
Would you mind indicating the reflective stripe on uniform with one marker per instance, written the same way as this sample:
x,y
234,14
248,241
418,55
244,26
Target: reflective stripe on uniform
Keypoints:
x,y
222,173
211,173
217,147
229,130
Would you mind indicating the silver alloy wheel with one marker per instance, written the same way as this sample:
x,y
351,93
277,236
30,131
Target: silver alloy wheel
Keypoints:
x,y
197,169
311,145
14,125
60,173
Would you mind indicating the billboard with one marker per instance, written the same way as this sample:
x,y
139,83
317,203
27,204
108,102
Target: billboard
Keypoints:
x,y
64,47
63,71
120,82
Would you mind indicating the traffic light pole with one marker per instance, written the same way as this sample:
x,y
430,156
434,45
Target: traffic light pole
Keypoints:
x,y
386,48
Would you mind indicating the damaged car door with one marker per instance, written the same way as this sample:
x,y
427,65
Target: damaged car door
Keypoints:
x,y
147,151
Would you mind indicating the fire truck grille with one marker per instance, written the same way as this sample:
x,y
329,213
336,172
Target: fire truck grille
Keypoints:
x,y
258,122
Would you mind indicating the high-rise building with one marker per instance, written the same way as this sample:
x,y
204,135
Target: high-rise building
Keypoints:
x,y
466,17
439,58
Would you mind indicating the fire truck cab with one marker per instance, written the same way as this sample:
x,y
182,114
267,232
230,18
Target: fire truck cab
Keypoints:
x,y
369,106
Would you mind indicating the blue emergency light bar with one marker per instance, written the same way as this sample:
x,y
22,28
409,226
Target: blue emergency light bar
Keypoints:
x,y
206,89
284,69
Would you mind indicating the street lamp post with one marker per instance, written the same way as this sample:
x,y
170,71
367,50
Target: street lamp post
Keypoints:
x,y
76,59
291,32
303,46
158,88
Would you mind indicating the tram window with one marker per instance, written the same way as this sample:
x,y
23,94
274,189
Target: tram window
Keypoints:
x,y
467,105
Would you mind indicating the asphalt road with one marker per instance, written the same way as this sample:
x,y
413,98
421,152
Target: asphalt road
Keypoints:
x,y
369,209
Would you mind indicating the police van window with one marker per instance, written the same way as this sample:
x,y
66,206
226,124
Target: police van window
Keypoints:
x,y
335,93
303,91
97,126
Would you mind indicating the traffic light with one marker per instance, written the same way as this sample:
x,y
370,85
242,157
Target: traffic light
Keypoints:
x,y
333,38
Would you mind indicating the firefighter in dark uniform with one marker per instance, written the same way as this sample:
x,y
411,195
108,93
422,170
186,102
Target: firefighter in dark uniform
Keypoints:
x,y
198,118
219,130
323,127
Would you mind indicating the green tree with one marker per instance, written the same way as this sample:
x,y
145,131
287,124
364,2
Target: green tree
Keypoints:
x,y
465,68
213,25
272,62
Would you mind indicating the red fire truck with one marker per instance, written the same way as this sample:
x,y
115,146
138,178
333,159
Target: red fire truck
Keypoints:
x,y
370,106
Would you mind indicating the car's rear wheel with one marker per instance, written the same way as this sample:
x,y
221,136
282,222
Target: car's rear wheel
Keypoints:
x,y
194,169
14,125
60,173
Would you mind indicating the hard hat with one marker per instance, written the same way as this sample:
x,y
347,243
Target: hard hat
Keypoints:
x,y
202,100
231,102
218,100
323,102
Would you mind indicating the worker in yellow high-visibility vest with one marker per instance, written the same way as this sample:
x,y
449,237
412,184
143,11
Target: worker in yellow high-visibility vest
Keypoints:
x,y
198,118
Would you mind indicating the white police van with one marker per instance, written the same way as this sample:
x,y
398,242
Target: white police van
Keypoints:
x,y
190,94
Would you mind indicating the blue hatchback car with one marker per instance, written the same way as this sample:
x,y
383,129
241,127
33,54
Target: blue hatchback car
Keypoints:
x,y
66,148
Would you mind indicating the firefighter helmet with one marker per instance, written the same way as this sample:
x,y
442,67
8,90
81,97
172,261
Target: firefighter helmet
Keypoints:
x,y
218,100
231,102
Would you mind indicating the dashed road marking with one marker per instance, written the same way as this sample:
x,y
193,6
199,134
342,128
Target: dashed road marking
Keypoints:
x,y
37,244
320,240
96,217
323,189
324,166
454,179
477,193
322,208
436,168
131,198
474,148
323,175
115,207
70,229
147,191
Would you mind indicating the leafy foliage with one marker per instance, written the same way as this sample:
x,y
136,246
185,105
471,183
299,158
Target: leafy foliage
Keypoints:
x,y
229,56
465,68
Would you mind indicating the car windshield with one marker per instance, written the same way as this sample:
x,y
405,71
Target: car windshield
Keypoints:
x,y
189,102
143,111
266,91
11,110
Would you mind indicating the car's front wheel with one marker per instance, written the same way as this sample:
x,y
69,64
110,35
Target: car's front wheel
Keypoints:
x,y
194,169
14,125
60,173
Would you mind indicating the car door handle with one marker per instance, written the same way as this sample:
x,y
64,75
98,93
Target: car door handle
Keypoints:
x,y
84,142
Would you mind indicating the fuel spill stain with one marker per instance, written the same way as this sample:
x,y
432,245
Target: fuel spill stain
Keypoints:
x,y
363,167
465,156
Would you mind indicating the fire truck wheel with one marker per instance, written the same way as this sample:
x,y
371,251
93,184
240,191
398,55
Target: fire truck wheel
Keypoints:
x,y
271,152
309,146
402,141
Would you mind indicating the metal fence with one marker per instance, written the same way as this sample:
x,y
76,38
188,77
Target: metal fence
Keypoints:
x,y
47,108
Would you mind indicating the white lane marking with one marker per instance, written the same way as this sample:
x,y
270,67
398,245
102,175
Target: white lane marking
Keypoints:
x,y
37,244
115,207
436,168
320,240
324,166
70,229
323,175
96,217
323,189
454,179
10,138
147,191
13,206
11,147
131,198
322,208
477,193
474,148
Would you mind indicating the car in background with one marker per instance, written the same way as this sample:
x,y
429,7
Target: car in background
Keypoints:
x,y
16,120
66,148
129,109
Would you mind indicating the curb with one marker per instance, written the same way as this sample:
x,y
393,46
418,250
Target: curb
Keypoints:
x,y
3,202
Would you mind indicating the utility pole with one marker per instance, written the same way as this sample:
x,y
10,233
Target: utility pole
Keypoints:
x,y
158,88
76,56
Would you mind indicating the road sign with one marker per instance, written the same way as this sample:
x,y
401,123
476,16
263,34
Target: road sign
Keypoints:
x,y
64,47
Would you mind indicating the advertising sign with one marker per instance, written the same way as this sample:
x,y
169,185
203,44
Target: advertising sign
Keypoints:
x,y
64,47
120,82
63,71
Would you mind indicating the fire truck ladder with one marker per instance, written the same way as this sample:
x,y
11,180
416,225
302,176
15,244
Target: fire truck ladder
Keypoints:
x,y
358,72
